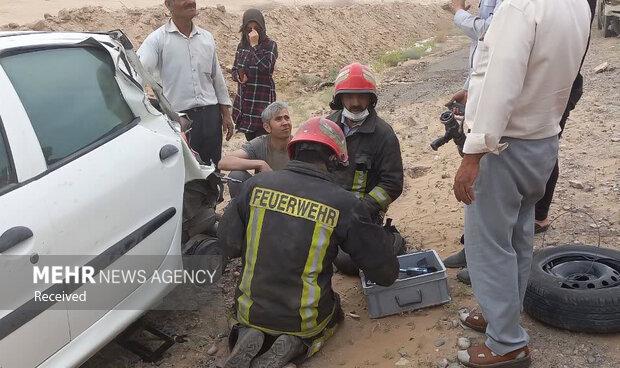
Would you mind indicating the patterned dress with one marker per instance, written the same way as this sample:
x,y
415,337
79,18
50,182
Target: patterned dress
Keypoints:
x,y
259,91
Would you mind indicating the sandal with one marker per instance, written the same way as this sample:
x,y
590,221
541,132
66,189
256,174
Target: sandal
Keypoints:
x,y
482,357
473,319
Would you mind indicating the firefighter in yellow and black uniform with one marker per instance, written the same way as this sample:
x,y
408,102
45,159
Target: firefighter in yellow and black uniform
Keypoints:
x,y
287,225
375,171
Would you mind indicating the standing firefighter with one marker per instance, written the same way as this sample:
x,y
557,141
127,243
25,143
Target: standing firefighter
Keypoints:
x,y
287,226
375,173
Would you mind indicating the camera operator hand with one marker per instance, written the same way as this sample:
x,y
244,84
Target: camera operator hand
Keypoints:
x,y
457,5
460,97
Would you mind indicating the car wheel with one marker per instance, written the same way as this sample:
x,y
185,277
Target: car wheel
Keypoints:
x,y
211,255
575,287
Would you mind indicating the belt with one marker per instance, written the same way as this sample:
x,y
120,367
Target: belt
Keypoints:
x,y
196,109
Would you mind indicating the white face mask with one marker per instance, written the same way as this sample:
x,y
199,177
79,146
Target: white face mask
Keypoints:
x,y
355,116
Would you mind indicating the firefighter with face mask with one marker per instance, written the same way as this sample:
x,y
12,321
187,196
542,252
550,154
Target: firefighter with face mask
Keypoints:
x,y
287,226
375,171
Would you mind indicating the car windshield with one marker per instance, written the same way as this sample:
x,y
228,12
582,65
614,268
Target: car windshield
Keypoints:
x,y
70,95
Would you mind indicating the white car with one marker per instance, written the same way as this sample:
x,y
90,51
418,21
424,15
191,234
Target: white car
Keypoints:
x,y
88,170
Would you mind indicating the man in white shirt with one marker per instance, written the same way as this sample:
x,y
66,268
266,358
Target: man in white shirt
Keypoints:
x,y
473,27
523,73
186,59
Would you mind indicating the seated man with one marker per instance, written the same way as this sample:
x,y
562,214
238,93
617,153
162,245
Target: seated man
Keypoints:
x,y
264,153
286,226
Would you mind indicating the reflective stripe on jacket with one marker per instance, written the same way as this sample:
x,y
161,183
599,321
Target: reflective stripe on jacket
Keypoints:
x,y
375,171
287,225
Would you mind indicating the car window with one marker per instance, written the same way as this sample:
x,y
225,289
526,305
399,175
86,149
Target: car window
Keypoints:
x,y
70,95
6,171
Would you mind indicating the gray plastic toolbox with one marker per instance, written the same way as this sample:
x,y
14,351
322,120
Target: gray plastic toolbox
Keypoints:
x,y
409,292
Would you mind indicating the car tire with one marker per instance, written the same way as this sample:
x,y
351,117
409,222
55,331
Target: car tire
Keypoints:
x,y
207,246
581,303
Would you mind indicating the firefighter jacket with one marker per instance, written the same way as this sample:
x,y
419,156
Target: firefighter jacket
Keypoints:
x,y
286,226
375,171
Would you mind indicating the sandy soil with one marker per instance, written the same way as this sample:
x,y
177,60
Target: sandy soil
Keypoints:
x,y
411,99
24,11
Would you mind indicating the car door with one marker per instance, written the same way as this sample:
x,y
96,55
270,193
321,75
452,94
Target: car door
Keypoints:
x,y
30,331
115,184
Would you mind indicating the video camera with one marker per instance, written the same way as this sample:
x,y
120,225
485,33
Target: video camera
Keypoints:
x,y
454,129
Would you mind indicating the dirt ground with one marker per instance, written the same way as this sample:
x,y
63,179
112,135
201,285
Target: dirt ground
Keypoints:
x,y
24,11
313,42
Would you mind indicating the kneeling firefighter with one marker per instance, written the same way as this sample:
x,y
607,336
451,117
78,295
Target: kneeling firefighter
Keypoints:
x,y
375,174
287,226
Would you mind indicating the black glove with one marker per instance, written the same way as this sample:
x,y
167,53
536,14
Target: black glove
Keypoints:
x,y
400,245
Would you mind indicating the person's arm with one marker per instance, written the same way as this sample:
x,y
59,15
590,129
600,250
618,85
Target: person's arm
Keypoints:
x,y
371,248
263,59
238,72
231,229
221,93
149,52
390,171
239,160
219,83
510,41
473,26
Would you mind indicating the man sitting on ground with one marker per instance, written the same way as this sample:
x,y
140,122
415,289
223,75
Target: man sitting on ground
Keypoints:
x,y
264,153
287,226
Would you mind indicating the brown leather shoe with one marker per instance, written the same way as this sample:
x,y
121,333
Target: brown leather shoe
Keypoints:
x,y
474,320
482,357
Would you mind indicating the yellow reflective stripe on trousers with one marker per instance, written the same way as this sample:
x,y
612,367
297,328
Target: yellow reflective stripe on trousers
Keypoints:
x,y
253,231
304,334
359,184
311,291
318,343
380,195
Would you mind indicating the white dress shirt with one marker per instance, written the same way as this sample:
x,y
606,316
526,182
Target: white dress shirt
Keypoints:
x,y
524,70
188,66
475,27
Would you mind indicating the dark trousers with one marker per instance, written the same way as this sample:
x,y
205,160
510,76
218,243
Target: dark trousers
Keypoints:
x,y
254,134
206,134
542,206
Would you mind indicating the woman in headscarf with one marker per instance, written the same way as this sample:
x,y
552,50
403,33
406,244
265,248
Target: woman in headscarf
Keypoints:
x,y
253,71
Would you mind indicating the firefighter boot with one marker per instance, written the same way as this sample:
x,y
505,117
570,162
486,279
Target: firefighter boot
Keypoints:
x,y
283,350
249,343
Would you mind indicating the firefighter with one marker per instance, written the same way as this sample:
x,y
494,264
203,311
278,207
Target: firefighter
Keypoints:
x,y
287,226
375,173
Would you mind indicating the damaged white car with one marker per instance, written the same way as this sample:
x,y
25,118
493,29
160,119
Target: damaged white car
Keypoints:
x,y
89,169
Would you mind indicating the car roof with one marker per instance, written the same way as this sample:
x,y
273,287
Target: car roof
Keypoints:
x,y
13,39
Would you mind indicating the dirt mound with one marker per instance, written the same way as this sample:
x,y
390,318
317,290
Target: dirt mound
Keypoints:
x,y
314,41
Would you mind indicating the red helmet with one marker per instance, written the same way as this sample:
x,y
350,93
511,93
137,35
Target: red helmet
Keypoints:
x,y
323,131
354,78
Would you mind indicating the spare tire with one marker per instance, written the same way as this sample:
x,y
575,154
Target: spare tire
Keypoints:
x,y
576,288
